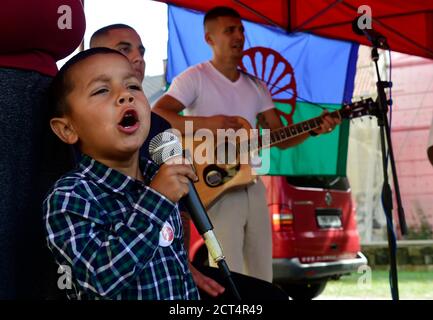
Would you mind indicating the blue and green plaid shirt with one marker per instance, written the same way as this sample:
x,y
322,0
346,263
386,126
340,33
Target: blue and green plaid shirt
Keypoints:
x,y
105,227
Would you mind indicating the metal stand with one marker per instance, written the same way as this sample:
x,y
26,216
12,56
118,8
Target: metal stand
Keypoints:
x,y
222,266
385,133
204,226
216,254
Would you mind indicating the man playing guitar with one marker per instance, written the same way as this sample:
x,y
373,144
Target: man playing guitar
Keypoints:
x,y
213,95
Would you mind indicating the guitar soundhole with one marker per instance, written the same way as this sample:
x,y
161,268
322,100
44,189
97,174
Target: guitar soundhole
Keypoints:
x,y
214,176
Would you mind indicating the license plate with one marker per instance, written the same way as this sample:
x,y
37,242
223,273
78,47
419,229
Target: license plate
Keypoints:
x,y
329,221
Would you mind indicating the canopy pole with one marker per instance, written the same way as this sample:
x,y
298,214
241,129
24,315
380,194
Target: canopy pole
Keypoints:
x,y
321,12
268,20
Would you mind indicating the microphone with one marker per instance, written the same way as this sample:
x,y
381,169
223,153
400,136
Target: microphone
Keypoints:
x,y
164,147
377,39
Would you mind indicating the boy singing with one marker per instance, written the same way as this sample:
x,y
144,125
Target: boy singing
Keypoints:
x,y
114,220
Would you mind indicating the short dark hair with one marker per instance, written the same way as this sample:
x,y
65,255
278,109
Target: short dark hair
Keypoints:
x,y
104,31
62,85
220,11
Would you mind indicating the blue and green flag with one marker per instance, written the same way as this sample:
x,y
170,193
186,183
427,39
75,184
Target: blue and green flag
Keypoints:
x,y
302,71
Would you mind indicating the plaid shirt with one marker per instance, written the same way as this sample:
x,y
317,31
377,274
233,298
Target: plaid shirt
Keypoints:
x,y
106,226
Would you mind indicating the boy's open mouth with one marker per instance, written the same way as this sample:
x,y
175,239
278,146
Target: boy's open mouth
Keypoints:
x,y
129,119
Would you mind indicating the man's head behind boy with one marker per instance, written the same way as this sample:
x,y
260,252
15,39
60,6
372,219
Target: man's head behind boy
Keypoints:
x,y
124,39
98,103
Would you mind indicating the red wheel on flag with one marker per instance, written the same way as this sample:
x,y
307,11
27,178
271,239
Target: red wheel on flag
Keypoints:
x,y
276,72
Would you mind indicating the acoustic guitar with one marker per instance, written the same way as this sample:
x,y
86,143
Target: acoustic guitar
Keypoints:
x,y
219,174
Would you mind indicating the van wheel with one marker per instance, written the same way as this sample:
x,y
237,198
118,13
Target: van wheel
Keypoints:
x,y
304,291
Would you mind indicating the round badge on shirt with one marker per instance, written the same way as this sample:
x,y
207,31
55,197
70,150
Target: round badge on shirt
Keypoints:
x,y
166,235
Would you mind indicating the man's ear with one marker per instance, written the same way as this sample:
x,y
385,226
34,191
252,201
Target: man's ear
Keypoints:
x,y
64,130
208,38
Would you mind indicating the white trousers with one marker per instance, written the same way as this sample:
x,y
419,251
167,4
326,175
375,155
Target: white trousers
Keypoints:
x,y
242,226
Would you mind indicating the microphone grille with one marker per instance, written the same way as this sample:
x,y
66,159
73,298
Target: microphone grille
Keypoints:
x,y
164,146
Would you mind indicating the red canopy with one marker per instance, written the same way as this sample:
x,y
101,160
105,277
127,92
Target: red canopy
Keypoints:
x,y
408,25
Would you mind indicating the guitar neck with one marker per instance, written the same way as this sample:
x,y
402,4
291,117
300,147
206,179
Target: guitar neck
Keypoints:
x,y
289,132
348,111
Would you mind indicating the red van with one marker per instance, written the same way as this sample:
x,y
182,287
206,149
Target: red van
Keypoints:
x,y
314,233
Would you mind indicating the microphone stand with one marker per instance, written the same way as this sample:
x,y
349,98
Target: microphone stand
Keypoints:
x,y
165,146
205,228
385,133
217,255
222,265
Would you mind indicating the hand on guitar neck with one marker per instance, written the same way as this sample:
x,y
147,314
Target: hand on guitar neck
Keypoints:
x,y
329,122
271,120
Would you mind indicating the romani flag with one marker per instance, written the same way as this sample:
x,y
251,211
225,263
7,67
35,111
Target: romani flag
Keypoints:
x,y
303,72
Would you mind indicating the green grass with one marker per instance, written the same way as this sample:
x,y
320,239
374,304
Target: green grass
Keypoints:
x,y
412,285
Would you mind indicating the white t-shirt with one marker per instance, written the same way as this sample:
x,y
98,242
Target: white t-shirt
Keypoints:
x,y
204,91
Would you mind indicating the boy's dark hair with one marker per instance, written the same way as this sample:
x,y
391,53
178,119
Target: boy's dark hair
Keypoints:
x,y
61,85
104,31
221,11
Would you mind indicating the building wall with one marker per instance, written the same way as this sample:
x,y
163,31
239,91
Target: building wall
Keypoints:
x,y
412,113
